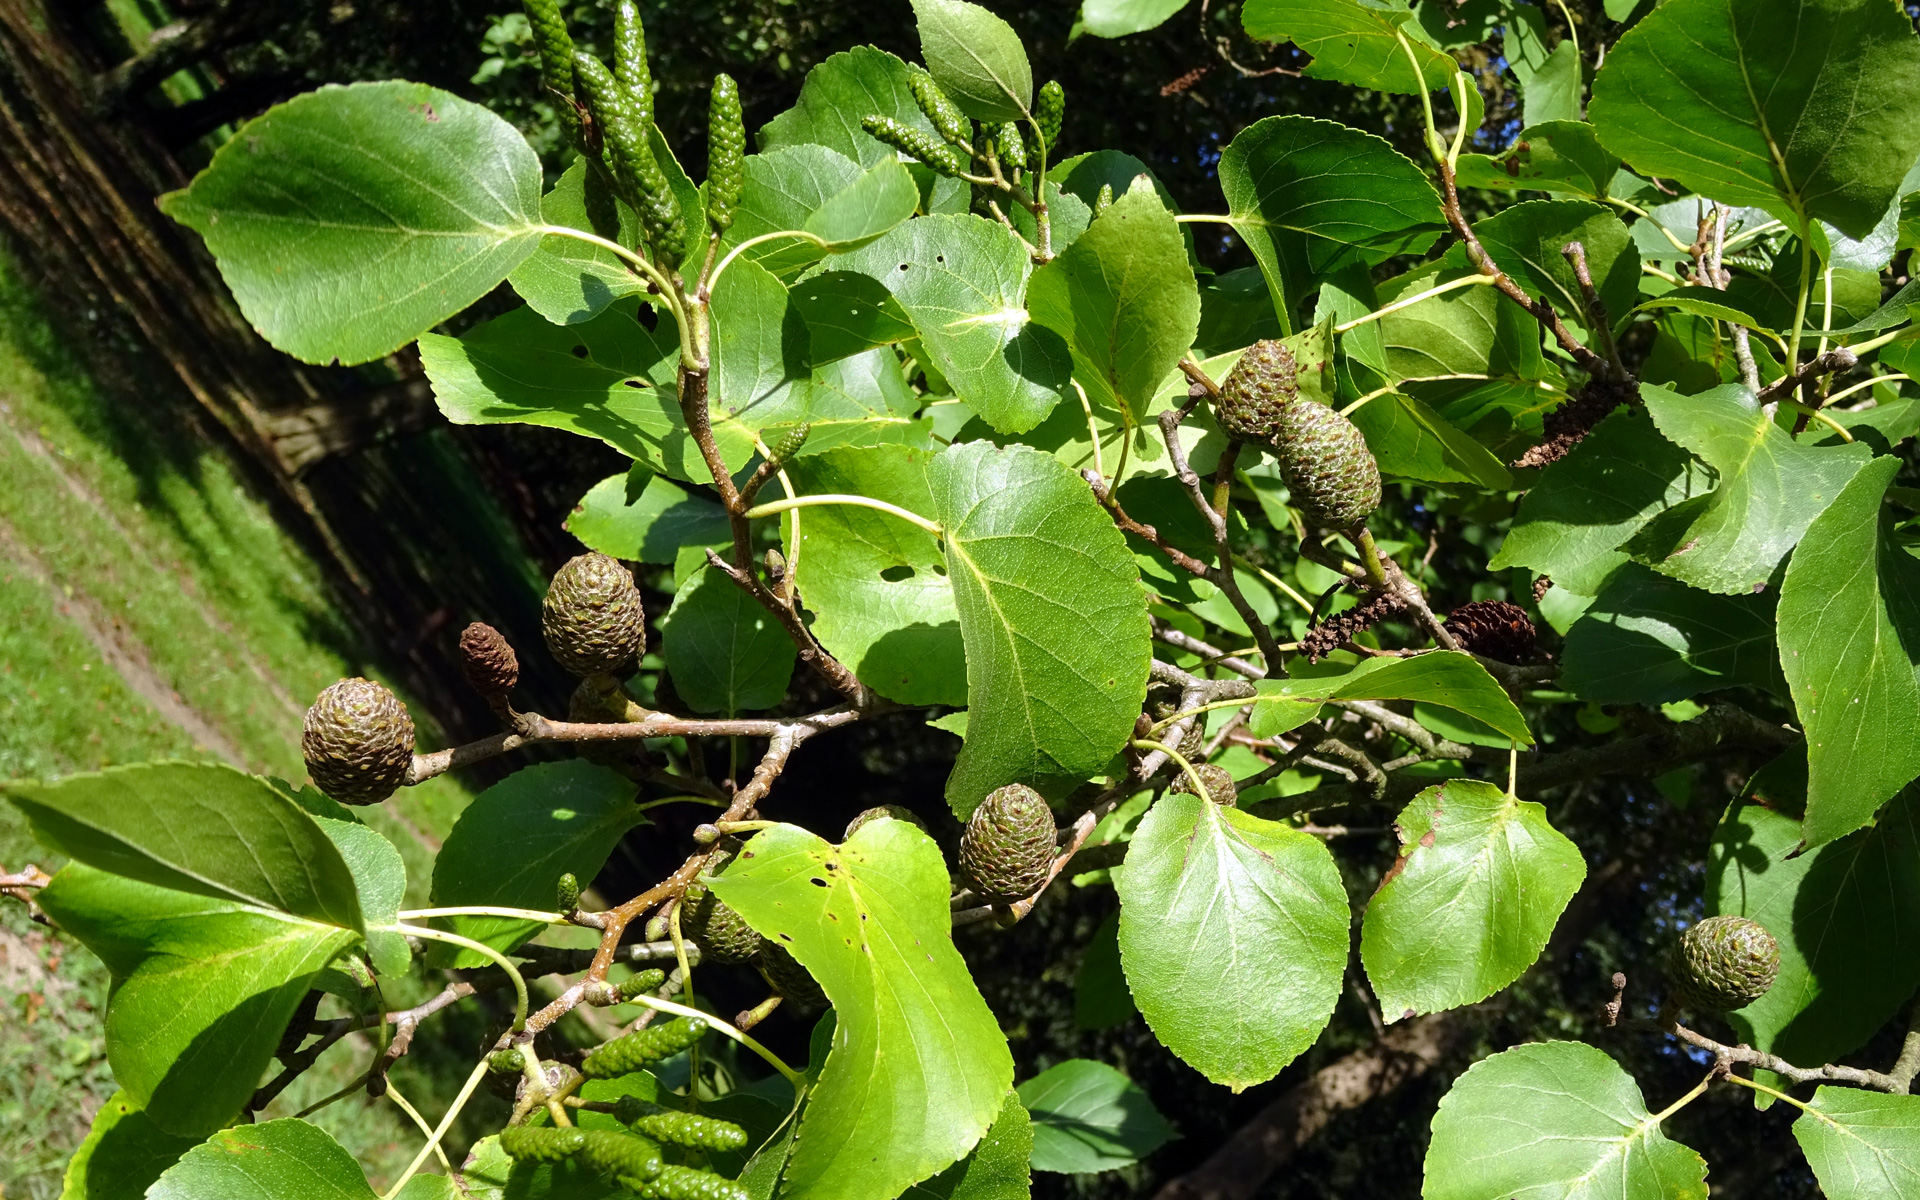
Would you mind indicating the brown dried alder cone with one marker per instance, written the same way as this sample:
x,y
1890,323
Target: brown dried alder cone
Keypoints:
x,y
1219,783
592,619
884,812
1008,845
1494,629
785,975
358,742
1723,963
1567,426
1336,631
1261,384
486,659
722,934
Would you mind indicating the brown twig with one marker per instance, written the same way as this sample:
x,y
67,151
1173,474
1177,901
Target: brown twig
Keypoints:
x,y
1837,359
1748,1056
1597,318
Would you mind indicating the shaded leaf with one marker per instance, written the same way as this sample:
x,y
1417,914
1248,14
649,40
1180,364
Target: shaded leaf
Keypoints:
x,y
350,219
996,1169
123,1153
849,313
1100,996
1118,18
1481,880
725,652
762,357
1648,639
650,527
567,280
919,1069
1553,156
1089,1117
1449,678
1410,440
1526,241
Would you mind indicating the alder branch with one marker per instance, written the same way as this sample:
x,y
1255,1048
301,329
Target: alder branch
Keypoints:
x,y
1837,359
1748,1056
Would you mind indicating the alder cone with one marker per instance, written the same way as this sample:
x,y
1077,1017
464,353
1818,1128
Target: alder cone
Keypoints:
x,y
592,619
1008,845
1333,479
787,977
1493,629
1261,385
487,660
884,811
722,934
1723,963
358,742
1219,783
1196,735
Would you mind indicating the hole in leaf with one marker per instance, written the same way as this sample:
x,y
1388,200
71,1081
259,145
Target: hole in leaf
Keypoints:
x,y
897,573
636,383
817,881
649,317
939,570
904,266
579,351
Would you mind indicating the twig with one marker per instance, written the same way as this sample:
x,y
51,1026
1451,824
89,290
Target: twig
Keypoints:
x,y
1748,1056
1837,359
1597,318
1908,1064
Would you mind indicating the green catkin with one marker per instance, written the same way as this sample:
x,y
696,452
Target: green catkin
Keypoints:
x,y
541,1143
567,892
630,55
642,1048
685,1183
679,1128
629,157
915,144
726,153
790,443
642,982
550,38
621,1155
1010,146
507,1062
948,121
1049,110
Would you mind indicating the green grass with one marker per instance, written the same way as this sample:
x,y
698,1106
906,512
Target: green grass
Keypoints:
x,y
149,608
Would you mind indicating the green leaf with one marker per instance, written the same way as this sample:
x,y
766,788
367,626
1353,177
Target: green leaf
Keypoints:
x,y
123,1153
785,186
862,400
1526,240
996,1169
608,378
1410,440
1351,41
1618,478
1556,1119
849,313
1089,1117
963,281
1234,934
1846,916
838,94
1124,298
1469,332
1549,79
380,879
762,359
349,220
1275,711
514,841
1862,1145
1448,678
1100,996
651,527
203,989
976,58
1052,615
567,280
1648,639
490,1175
1771,488
1481,880
200,828
1311,197
881,198
725,652
287,1159
919,1069
877,586
1118,18
1850,645
1831,134
1553,156
693,205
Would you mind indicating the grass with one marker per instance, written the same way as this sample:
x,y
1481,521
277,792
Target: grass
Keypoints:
x,y
149,608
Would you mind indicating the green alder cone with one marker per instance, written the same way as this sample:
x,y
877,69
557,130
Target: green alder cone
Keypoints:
x,y
622,121
567,892
721,933
642,1048
555,46
678,1128
786,976
1218,780
884,812
1263,383
685,1183
1723,963
358,742
1330,473
946,116
1049,110
944,160
1008,845
726,153
630,55
592,619
541,1143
